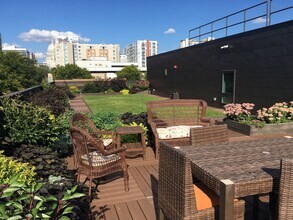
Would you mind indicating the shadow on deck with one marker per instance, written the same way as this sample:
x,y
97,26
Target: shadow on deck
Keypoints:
x,y
141,201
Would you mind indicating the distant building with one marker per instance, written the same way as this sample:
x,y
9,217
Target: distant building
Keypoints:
x,y
140,50
65,50
22,51
187,43
101,68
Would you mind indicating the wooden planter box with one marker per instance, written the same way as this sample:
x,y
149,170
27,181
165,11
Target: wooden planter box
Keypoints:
x,y
251,130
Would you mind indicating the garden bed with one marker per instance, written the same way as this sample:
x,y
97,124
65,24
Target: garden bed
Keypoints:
x,y
251,130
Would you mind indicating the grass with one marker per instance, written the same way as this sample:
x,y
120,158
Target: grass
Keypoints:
x,y
135,103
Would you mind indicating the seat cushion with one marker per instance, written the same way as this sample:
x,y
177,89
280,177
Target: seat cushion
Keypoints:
x,y
107,142
98,159
204,197
180,131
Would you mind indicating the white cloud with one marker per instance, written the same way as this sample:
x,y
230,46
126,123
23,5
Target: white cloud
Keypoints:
x,y
170,31
36,35
259,20
40,55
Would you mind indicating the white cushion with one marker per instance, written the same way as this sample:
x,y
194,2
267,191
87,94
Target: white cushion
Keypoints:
x,y
98,159
180,131
107,142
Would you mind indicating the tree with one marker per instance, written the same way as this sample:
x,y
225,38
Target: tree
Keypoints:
x,y
130,73
18,72
70,71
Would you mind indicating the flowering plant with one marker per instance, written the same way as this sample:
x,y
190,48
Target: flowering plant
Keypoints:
x,y
238,112
278,113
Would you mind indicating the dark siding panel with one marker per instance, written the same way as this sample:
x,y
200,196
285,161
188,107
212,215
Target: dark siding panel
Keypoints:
x,y
263,60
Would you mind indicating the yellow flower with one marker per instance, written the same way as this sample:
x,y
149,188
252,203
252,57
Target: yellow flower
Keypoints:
x,y
52,117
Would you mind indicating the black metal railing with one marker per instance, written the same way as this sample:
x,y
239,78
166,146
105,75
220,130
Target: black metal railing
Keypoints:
x,y
268,13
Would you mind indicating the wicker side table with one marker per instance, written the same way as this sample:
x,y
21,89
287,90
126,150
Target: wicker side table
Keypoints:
x,y
133,149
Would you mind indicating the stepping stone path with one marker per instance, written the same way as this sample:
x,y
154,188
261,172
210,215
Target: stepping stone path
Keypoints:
x,y
79,105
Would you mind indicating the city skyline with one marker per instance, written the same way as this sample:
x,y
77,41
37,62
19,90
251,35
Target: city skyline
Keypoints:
x,y
32,25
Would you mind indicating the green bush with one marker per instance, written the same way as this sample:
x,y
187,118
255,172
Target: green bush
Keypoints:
x,y
106,120
73,89
110,91
102,85
9,167
53,98
18,201
118,84
90,87
26,123
130,73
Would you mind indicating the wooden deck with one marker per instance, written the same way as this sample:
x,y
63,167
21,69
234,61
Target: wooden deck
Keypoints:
x,y
141,200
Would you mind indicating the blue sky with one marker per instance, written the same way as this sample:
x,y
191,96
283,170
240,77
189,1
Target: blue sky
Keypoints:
x,y
30,23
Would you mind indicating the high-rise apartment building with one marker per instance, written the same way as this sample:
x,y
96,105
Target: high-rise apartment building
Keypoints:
x,y
20,50
140,50
65,50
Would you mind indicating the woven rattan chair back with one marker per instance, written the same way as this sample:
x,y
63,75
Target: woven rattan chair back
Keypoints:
x,y
175,193
176,112
285,202
93,160
209,134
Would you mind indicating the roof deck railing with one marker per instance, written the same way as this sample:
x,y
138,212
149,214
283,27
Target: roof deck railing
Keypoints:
x,y
211,25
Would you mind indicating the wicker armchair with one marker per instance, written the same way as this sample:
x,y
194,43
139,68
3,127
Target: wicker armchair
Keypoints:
x,y
94,161
208,134
174,112
176,193
285,201
81,121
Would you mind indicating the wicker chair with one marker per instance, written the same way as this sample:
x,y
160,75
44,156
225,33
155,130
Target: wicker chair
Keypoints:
x,y
208,135
176,195
174,112
285,201
94,161
81,121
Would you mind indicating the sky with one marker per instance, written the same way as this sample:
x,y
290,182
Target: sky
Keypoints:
x,y
32,23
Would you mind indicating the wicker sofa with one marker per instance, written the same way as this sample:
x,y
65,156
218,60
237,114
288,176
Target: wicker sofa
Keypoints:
x,y
166,117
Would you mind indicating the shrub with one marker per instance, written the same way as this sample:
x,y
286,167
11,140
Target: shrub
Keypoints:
x,y
90,87
118,84
18,201
26,123
106,120
73,90
110,91
102,85
278,113
124,92
9,167
53,98
44,159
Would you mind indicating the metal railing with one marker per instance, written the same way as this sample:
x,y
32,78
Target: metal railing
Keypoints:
x,y
267,14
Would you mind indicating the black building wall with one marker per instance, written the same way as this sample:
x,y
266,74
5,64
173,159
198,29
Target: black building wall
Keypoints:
x,y
262,58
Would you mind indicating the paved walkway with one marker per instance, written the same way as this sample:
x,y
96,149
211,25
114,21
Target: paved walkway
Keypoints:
x,y
79,105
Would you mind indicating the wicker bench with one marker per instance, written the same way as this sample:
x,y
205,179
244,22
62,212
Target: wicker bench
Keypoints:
x,y
173,113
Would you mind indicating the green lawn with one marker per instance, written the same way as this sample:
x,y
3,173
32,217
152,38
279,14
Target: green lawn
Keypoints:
x,y
135,103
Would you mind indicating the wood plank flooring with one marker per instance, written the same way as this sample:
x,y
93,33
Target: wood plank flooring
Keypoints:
x,y
113,203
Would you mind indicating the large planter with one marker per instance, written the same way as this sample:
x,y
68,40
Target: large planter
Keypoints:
x,y
251,130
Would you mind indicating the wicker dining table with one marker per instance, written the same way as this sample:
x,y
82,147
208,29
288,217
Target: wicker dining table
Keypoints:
x,y
252,166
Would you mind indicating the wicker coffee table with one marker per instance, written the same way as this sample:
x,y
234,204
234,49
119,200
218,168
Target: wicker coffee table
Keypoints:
x,y
133,149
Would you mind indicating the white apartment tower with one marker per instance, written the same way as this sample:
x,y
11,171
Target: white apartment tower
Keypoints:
x,y
140,50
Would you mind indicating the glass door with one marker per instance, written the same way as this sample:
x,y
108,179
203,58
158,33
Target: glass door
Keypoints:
x,y
228,86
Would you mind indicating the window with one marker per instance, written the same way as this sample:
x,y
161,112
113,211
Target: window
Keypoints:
x,y
228,86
